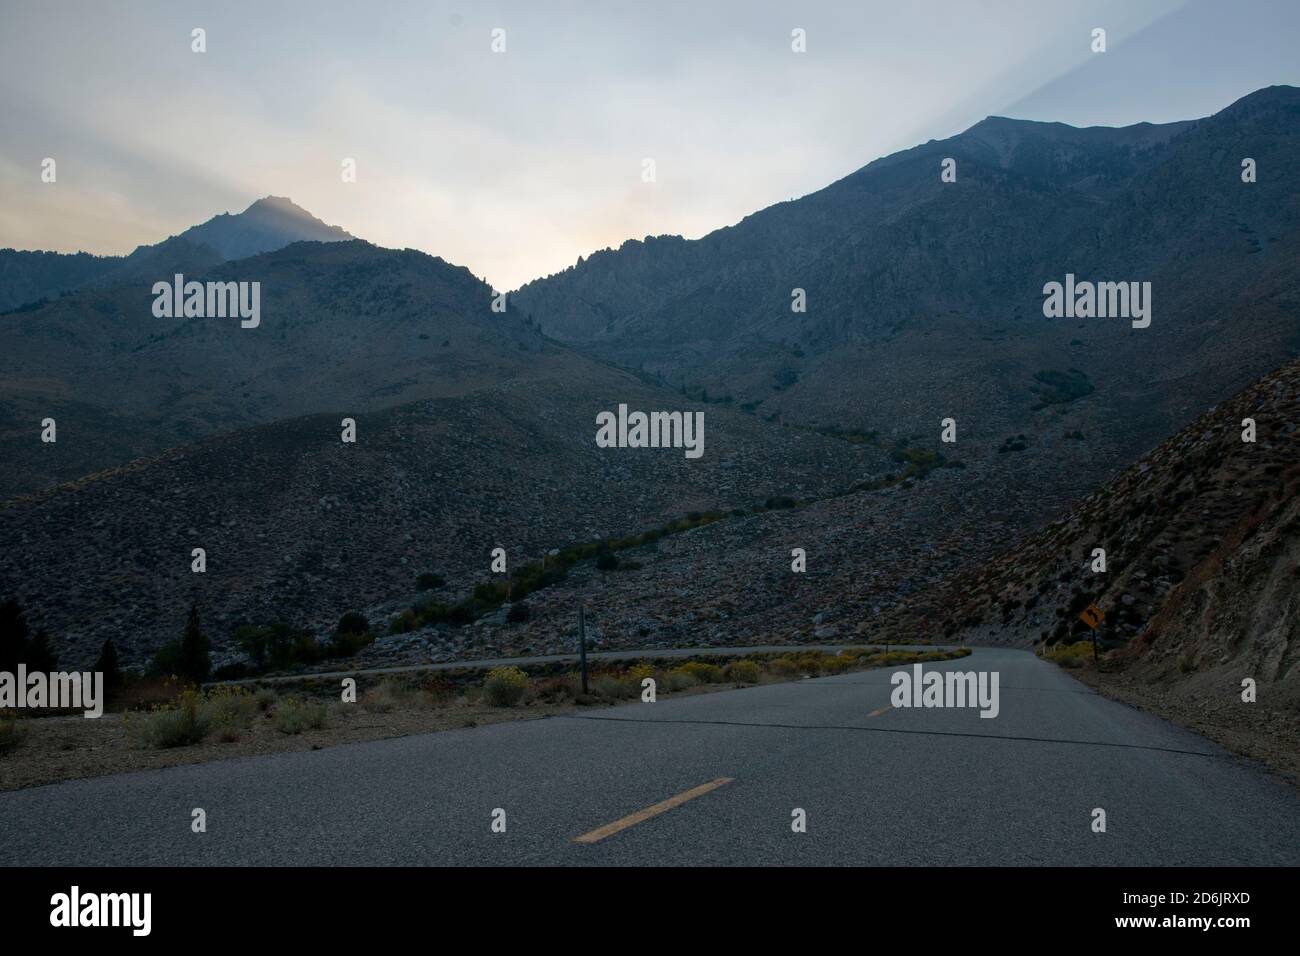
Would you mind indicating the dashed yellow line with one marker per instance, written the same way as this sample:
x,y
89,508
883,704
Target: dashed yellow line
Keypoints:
x,y
632,819
883,710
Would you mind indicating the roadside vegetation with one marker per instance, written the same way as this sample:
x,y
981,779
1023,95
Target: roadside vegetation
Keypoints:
x,y
168,721
279,647
1076,654
224,713
609,685
11,733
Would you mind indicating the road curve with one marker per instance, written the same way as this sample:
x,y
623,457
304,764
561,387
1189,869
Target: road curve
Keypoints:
x,y
708,779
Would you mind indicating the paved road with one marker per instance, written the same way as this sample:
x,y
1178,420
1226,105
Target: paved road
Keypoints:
x,y
880,787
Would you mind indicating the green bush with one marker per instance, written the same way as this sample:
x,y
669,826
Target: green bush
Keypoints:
x,y
678,679
837,664
293,715
505,686
1059,388
11,733
236,671
279,646
518,613
1013,443
783,667
342,644
615,687
704,673
742,672
353,622
382,698
1070,655
639,672
405,622
492,593
230,711
179,724
810,662
189,657
428,581
392,693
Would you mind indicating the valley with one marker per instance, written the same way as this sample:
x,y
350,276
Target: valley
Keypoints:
x,y
919,317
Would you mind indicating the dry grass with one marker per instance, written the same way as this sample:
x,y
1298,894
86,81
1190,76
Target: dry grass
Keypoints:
x,y
71,747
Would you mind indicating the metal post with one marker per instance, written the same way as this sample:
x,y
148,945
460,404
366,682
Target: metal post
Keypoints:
x,y
582,638
1094,645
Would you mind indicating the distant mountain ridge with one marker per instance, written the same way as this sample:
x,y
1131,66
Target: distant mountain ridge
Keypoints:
x,y
267,225
346,326
924,298
891,251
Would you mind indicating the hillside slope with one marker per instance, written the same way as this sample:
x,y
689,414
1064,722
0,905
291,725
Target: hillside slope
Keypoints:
x,y
1201,590
344,326
301,527
1202,542
924,298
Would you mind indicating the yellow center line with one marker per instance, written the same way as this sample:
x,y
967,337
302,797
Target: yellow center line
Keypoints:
x,y
883,710
609,829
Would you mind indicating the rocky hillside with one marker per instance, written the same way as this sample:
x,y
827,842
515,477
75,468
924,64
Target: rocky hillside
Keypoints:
x,y
299,526
924,298
1202,542
344,326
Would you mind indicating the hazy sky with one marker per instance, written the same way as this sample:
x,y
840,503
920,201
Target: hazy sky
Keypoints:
x,y
516,163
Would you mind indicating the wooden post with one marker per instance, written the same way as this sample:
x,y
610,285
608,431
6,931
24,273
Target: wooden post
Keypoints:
x,y
582,643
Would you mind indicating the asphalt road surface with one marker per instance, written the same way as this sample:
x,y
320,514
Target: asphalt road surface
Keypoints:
x,y
708,779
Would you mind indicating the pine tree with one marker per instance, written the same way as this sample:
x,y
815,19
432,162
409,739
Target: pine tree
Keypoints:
x,y
13,636
40,656
109,667
195,659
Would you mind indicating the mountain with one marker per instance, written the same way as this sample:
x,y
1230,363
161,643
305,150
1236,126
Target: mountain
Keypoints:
x,y
345,326
27,278
269,224
925,298
31,278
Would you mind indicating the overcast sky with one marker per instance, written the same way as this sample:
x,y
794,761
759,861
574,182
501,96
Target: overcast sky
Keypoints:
x,y
516,163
